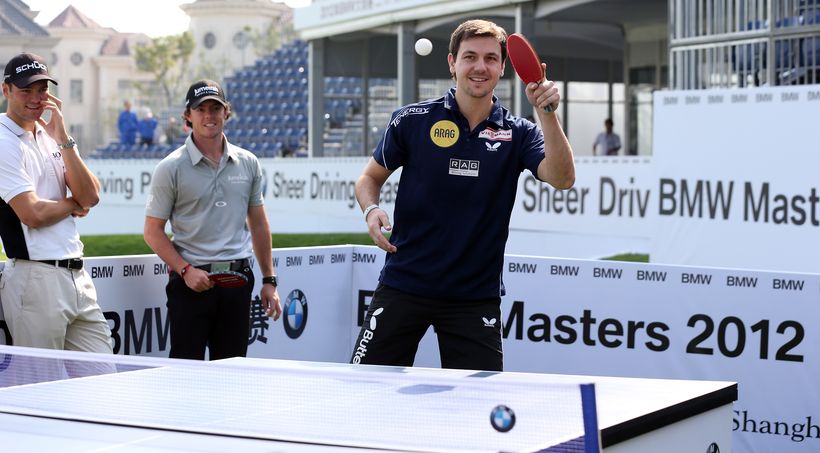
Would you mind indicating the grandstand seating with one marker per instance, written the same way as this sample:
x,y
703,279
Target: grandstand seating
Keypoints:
x,y
269,100
795,59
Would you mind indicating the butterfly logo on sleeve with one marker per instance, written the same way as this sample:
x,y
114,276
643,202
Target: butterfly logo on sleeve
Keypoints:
x,y
493,147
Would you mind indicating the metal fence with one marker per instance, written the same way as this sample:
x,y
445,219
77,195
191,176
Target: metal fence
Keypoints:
x,y
739,43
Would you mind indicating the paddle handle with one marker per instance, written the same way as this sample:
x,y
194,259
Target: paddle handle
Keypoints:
x,y
548,108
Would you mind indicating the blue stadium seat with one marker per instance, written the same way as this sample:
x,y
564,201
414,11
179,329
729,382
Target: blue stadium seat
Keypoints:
x,y
301,120
276,134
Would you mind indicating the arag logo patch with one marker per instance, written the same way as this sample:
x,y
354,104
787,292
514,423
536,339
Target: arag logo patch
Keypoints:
x,y
444,133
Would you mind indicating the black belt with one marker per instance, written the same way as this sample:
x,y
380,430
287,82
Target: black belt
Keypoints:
x,y
235,265
69,263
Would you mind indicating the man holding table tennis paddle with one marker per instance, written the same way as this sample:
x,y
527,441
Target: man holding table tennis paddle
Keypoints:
x,y
211,191
461,157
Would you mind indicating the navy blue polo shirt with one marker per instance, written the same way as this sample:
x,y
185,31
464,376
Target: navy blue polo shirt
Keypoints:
x,y
455,197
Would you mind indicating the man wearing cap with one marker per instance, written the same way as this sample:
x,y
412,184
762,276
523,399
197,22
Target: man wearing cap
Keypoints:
x,y
211,191
48,299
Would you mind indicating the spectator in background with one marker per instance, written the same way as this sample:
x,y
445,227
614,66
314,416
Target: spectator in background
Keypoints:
x,y
127,125
607,143
172,131
147,127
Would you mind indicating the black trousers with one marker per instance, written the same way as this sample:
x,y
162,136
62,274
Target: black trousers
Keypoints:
x,y
469,331
218,319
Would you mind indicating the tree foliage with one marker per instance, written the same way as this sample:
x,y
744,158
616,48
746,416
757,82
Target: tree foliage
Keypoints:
x,y
272,37
167,58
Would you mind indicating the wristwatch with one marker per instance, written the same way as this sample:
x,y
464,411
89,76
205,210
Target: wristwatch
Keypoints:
x,y
270,280
69,144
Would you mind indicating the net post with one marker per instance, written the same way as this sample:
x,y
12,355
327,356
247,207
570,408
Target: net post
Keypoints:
x,y
592,438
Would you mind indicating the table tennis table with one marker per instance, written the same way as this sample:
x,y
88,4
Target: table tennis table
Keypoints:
x,y
261,405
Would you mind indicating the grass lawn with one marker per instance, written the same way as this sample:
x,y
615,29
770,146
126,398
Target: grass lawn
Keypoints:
x,y
633,257
133,244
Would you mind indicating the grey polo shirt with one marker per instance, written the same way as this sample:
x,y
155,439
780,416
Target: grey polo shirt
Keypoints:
x,y
207,206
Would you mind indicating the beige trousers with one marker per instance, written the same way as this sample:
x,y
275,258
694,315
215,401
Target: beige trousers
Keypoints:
x,y
52,307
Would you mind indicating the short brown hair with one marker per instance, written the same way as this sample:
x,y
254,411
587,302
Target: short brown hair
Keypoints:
x,y
478,28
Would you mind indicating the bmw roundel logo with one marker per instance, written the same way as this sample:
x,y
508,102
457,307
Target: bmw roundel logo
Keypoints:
x,y
296,312
502,418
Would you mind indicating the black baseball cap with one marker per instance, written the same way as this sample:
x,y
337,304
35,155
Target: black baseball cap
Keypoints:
x,y
25,69
203,90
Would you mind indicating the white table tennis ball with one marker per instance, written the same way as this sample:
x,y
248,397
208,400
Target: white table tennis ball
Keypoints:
x,y
424,47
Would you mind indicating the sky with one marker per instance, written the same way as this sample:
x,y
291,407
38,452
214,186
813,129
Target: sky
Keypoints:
x,y
153,17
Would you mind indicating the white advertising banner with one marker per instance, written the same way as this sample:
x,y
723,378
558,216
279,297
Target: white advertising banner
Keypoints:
x,y
313,287
759,329
737,178
606,318
131,293
301,195
604,214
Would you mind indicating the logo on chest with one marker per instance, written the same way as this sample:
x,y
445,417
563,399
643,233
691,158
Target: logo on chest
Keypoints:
x,y
444,133
504,135
463,167
237,179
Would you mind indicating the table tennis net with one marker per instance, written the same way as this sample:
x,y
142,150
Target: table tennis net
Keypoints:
x,y
408,409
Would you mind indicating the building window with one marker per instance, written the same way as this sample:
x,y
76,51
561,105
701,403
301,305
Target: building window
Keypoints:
x,y
240,40
76,131
124,87
76,58
209,40
77,91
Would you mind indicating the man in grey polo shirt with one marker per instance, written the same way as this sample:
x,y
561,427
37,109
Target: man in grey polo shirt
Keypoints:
x,y
211,191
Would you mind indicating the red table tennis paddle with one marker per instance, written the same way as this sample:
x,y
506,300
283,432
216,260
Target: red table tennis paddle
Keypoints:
x,y
228,279
525,61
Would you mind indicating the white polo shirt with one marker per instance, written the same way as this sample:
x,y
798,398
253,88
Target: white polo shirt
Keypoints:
x,y
33,163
